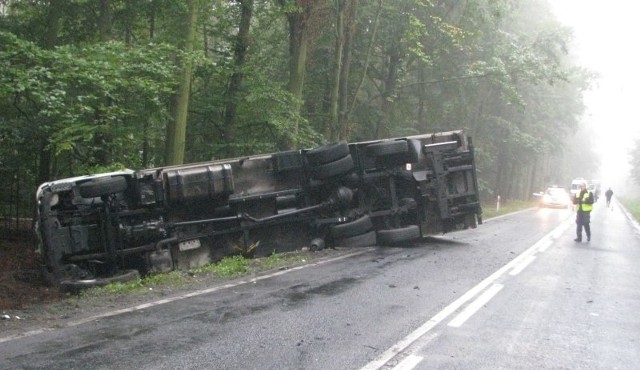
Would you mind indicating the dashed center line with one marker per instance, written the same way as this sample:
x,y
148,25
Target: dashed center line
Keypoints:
x,y
475,306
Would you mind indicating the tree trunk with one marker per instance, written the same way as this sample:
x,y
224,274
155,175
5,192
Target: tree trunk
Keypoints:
x,y
299,40
366,62
343,92
240,54
177,129
50,42
390,84
337,70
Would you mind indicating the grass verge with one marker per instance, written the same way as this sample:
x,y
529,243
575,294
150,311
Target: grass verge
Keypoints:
x,y
227,268
492,210
632,205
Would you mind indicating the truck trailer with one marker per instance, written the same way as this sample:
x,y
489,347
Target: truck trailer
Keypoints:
x,y
101,228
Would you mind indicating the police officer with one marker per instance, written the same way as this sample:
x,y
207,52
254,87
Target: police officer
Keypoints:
x,y
584,204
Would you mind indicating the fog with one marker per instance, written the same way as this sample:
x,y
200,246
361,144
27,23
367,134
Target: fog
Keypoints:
x,y
605,39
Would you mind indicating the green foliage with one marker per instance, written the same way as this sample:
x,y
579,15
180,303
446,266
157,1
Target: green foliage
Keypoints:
x,y
635,162
276,260
227,267
72,95
99,96
632,205
113,289
173,278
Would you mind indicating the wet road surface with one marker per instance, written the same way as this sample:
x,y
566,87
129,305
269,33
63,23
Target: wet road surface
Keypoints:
x,y
516,292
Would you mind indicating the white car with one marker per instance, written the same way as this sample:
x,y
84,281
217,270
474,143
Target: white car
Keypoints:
x,y
556,197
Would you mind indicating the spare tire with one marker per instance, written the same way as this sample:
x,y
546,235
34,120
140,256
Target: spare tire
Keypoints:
x,y
327,153
353,228
394,236
363,240
335,168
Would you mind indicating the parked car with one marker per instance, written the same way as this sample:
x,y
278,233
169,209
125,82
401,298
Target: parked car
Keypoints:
x,y
96,229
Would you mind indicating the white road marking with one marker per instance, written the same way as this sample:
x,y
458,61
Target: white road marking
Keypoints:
x,y
408,363
475,306
404,343
516,270
543,246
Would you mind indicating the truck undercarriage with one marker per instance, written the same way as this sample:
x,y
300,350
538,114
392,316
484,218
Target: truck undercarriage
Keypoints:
x,y
101,228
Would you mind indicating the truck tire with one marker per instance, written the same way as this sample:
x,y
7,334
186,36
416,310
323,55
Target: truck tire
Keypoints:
x,y
395,236
353,228
335,168
363,240
75,286
100,186
327,153
316,244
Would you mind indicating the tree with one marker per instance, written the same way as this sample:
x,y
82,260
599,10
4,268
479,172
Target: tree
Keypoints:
x,y
241,45
176,130
302,16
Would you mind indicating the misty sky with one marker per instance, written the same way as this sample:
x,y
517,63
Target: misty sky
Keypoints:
x,y
605,36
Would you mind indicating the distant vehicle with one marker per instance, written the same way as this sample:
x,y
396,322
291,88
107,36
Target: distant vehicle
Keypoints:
x,y
575,185
555,197
593,186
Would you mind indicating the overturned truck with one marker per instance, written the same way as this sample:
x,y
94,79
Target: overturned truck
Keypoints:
x,y
107,227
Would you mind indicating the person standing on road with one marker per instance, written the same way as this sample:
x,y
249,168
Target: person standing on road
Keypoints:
x,y
608,194
584,202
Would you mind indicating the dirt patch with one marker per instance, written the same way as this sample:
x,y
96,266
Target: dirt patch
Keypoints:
x,y
21,284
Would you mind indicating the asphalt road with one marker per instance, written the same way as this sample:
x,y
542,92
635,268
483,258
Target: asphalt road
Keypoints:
x,y
517,292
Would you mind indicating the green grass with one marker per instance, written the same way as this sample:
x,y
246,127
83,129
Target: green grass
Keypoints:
x,y
632,205
276,260
229,267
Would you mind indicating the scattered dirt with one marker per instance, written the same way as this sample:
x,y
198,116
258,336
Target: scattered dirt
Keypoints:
x,y
21,283
27,304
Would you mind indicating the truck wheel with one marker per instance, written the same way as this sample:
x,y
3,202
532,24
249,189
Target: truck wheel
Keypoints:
x,y
363,240
394,236
327,153
353,228
75,286
316,244
100,186
335,168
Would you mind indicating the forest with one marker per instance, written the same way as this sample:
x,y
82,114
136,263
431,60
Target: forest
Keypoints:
x,y
89,86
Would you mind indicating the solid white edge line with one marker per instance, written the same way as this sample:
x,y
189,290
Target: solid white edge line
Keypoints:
x,y
401,345
518,269
476,305
408,363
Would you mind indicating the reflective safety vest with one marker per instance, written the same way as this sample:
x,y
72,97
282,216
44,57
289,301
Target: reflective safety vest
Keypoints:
x,y
585,198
